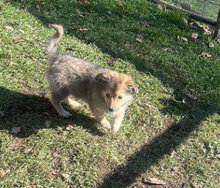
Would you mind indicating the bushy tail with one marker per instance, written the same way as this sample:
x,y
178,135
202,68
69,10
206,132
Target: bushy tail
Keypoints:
x,y
52,47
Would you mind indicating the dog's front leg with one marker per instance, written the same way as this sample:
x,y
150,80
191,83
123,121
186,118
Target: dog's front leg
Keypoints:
x,y
117,121
100,117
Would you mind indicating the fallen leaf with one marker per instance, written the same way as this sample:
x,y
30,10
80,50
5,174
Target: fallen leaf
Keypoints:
x,y
15,130
50,175
153,181
145,24
79,13
159,6
47,123
194,36
81,29
17,40
2,173
28,150
65,176
206,31
69,127
42,44
55,172
205,54
21,31
175,169
184,39
8,27
184,101
70,49
185,21
215,157
142,53
139,40
193,25
7,171
218,41
55,154
211,45
193,185
70,182
84,1
165,49
192,96
116,159
21,181
218,156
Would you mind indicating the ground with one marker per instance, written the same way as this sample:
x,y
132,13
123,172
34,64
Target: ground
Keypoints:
x,y
170,132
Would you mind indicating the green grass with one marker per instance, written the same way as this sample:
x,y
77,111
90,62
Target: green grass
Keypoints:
x,y
201,7
171,131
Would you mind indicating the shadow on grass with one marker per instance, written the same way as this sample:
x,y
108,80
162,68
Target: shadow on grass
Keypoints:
x,y
115,32
31,112
163,144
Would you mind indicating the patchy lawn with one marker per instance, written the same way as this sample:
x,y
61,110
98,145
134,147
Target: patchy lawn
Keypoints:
x,y
171,131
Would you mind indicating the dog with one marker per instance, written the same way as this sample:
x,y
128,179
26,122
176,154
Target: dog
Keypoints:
x,y
73,78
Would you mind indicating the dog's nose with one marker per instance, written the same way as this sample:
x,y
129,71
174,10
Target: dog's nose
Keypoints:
x,y
111,110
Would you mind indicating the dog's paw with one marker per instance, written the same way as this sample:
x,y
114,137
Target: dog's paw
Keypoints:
x,y
105,123
65,114
115,129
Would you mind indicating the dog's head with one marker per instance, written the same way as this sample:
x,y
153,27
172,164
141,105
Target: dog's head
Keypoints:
x,y
117,90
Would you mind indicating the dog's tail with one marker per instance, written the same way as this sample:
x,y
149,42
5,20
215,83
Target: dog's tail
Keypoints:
x,y
52,47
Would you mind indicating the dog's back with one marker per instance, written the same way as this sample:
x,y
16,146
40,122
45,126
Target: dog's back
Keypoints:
x,y
66,71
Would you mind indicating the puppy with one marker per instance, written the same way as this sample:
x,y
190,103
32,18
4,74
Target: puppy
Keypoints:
x,y
104,90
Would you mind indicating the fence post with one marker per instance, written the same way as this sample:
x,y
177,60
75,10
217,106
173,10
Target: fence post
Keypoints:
x,y
217,27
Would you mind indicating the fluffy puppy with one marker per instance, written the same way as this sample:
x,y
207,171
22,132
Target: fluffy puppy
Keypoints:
x,y
104,90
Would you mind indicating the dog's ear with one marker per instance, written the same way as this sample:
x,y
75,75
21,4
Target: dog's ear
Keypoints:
x,y
132,88
103,78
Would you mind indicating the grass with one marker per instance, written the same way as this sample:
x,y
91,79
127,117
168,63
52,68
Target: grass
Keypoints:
x,y
201,7
171,131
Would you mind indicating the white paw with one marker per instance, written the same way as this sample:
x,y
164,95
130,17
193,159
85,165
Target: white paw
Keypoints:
x,y
65,114
105,123
115,129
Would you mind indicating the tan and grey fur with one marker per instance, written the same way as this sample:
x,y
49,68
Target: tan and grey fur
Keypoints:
x,y
104,90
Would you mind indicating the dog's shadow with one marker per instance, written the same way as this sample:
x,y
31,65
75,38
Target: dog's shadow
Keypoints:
x,y
22,115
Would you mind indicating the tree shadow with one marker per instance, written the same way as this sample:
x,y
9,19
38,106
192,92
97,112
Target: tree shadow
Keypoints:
x,y
96,18
112,29
32,112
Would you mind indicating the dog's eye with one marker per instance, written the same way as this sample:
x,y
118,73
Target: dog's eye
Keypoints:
x,y
108,95
119,97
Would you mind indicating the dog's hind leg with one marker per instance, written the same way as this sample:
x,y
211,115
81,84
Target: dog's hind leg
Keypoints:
x,y
56,99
